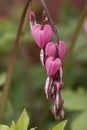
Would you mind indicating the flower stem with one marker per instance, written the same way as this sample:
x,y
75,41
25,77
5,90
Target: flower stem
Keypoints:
x,y
15,50
50,20
74,39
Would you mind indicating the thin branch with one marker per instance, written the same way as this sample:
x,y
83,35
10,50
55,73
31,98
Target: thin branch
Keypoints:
x,y
74,39
16,47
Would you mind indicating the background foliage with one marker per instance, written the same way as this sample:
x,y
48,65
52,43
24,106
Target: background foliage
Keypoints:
x,y
27,86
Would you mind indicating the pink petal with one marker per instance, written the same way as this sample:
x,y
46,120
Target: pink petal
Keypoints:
x,y
50,49
52,66
62,49
42,35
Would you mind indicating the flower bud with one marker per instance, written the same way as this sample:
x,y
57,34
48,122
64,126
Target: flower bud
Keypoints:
x,y
50,49
32,16
62,49
52,66
58,86
32,19
42,35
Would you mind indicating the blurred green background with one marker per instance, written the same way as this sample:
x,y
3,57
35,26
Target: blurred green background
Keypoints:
x,y
27,86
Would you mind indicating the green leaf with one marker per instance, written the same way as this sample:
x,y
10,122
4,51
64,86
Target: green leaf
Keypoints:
x,y
23,121
33,128
13,126
60,126
4,127
80,122
2,78
75,100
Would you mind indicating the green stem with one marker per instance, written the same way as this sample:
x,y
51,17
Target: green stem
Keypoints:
x,y
74,39
10,69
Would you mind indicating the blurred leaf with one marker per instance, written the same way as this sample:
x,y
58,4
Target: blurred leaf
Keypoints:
x,y
2,78
4,127
13,125
75,100
33,128
9,110
34,70
23,121
80,122
60,126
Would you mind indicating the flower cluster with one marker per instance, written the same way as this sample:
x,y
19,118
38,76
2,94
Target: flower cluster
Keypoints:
x,y
51,56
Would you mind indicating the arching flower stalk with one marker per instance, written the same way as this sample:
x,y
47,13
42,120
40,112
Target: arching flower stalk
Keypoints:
x,y
51,56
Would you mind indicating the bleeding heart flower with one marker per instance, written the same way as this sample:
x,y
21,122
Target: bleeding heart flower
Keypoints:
x,y
62,49
85,28
50,49
42,35
52,66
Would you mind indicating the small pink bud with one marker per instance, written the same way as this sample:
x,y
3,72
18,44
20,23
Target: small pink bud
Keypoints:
x,y
52,66
61,85
32,19
32,16
42,35
62,49
85,28
50,49
61,101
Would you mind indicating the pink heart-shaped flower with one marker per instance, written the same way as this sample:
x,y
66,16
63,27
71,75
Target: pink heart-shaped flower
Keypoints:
x,y
52,66
42,35
62,49
50,49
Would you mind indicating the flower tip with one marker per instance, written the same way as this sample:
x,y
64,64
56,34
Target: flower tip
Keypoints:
x,y
32,16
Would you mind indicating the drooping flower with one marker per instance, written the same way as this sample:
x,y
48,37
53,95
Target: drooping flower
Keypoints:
x,y
62,49
50,49
85,29
58,86
58,111
42,34
52,66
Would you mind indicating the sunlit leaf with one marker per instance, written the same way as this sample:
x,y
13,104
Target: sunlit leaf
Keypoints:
x,y
4,127
33,128
13,126
23,121
60,126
